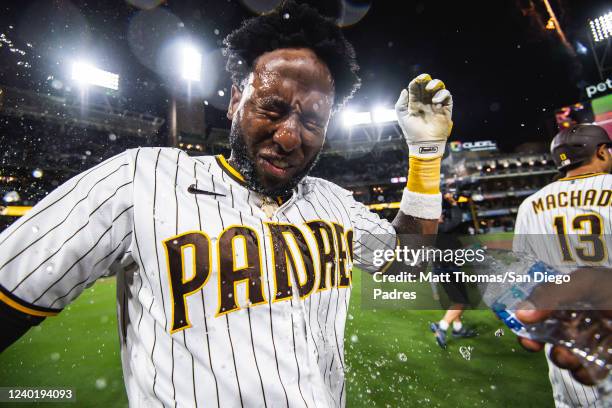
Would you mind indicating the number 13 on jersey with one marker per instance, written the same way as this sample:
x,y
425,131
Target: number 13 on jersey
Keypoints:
x,y
588,231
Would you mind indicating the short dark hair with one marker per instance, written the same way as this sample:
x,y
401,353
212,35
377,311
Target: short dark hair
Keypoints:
x,y
294,25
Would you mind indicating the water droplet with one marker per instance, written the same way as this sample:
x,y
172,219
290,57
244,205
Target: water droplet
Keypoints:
x,y
101,383
466,352
286,16
55,356
11,197
402,357
354,338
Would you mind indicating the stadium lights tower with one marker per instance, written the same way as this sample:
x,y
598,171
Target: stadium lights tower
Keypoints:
x,y
365,129
383,115
600,39
351,118
191,63
378,115
190,68
86,74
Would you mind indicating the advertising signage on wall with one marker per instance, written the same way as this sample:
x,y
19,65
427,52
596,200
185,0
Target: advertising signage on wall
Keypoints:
x,y
598,89
477,146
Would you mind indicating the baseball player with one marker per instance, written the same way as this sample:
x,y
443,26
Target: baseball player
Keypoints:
x,y
576,204
233,275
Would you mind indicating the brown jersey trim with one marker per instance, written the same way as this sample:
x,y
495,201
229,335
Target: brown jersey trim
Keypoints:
x,y
580,176
14,302
229,170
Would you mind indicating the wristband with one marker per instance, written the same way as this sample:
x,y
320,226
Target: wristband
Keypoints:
x,y
427,150
426,206
424,175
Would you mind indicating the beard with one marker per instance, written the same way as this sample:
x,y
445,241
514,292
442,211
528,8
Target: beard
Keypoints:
x,y
246,166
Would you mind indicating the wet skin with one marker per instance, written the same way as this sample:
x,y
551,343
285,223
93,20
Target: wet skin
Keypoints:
x,y
283,113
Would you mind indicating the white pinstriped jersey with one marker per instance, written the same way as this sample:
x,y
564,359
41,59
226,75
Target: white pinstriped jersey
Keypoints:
x,y
218,305
561,212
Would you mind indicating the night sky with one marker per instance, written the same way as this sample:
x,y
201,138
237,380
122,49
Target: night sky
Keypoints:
x,y
506,72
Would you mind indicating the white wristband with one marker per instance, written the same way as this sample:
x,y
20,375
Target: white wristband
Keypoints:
x,y
426,206
427,150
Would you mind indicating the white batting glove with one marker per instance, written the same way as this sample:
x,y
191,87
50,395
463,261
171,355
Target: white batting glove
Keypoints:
x,y
424,113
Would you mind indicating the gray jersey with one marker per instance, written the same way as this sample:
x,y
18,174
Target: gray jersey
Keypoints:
x,y
225,297
565,210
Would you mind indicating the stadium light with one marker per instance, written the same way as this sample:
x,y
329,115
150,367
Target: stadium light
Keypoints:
x,y
191,63
601,27
351,118
87,74
382,115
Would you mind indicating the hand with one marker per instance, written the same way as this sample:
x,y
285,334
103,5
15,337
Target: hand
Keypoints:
x,y
588,286
424,113
561,356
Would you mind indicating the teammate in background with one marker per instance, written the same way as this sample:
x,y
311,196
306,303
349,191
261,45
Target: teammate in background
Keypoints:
x,y
233,276
578,203
449,227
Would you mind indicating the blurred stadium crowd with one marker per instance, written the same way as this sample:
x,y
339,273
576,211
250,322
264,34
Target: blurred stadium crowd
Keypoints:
x,y
46,143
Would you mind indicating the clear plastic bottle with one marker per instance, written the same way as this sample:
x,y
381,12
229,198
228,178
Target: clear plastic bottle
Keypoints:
x,y
586,332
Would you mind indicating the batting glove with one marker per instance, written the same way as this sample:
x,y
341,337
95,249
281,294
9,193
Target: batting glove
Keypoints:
x,y
424,113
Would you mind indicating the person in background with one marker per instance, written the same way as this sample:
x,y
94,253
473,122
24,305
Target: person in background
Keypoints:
x,y
450,225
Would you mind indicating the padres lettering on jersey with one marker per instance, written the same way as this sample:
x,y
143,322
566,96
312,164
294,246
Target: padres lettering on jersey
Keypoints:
x,y
218,304
573,217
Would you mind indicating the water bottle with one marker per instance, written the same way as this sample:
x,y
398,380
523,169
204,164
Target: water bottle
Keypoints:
x,y
587,333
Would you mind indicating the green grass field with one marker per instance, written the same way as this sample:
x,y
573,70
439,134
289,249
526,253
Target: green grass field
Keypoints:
x,y
392,359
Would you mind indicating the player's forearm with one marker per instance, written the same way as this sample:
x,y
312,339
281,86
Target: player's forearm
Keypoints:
x,y
10,334
414,233
421,204
408,224
14,325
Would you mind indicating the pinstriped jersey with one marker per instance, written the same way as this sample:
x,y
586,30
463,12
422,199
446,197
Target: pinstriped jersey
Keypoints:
x,y
567,210
561,213
221,301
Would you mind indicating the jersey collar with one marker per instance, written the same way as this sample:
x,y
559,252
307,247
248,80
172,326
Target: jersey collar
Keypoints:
x,y
229,170
581,176
237,177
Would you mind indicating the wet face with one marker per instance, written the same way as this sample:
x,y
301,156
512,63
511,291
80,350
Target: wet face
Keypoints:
x,y
280,118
